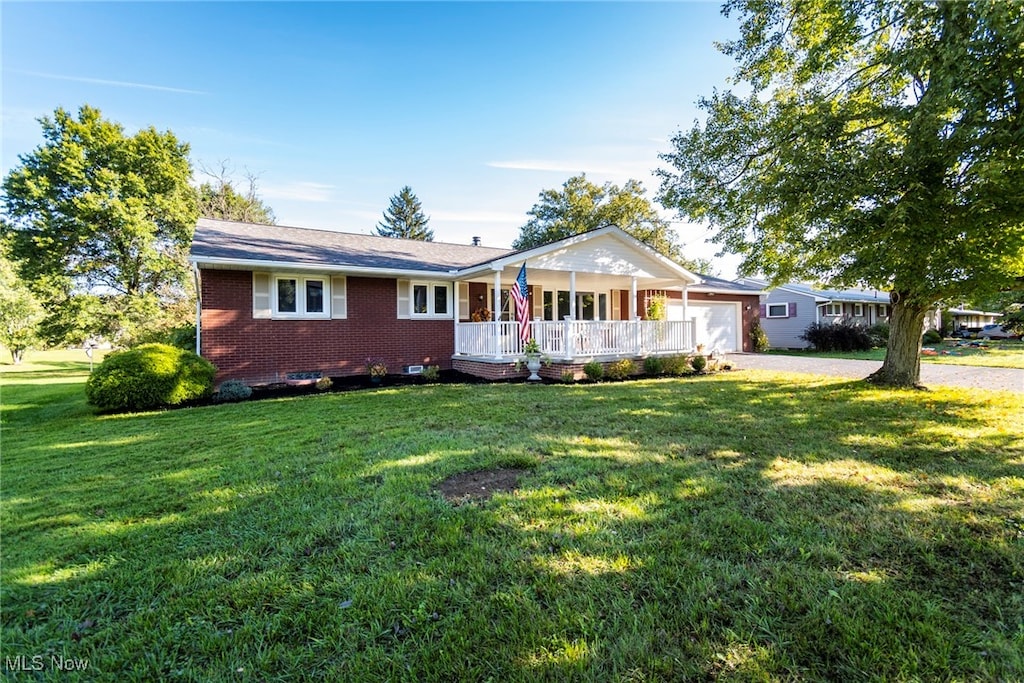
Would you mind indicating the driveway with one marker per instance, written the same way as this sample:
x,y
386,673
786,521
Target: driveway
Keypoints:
x,y
932,374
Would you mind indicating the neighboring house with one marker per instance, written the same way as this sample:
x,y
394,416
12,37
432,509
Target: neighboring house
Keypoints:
x,y
967,319
275,301
787,311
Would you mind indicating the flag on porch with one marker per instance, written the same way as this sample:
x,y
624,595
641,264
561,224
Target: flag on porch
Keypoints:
x,y
521,295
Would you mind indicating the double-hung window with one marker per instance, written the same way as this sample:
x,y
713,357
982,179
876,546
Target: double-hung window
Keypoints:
x,y
778,310
301,297
431,299
833,309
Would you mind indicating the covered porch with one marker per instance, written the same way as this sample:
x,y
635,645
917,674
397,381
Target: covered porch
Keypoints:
x,y
587,295
575,339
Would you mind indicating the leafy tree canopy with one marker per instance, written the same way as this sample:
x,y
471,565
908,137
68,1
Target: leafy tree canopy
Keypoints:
x,y
880,144
110,211
218,198
21,312
404,218
581,206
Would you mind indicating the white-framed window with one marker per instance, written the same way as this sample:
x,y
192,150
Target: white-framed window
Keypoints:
x,y
883,310
430,299
858,310
778,310
832,309
298,296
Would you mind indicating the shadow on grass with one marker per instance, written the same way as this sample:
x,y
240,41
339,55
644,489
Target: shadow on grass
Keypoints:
x,y
668,530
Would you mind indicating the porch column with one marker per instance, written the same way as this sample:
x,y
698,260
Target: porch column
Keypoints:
x,y
496,317
572,294
632,299
455,314
687,336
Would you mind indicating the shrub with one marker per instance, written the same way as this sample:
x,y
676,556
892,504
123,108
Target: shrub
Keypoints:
x,y
621,369
932,337
676,365
879,334
149,376
232,390
654,365
699,362
840,336
568,377
758,337
431,373
593,370
324,383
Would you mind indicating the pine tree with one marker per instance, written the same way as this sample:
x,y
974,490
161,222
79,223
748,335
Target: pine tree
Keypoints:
x,y
405,219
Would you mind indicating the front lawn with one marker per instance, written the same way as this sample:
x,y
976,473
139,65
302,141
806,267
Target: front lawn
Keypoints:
x,y
994,354
742,526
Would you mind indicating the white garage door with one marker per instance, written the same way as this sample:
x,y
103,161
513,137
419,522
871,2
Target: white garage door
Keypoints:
x,y
717,324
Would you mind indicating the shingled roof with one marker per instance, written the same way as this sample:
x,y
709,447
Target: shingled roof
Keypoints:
x,y
225,243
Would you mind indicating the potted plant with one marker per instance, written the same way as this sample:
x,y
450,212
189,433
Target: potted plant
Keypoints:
x,y
482,315
534,359
377,368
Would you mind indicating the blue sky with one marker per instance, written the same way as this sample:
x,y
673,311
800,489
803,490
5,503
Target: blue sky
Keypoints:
x,y
477,106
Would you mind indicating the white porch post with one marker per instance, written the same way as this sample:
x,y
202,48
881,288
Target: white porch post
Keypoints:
x,y
572,294
688,334
637,332
496,316
455,315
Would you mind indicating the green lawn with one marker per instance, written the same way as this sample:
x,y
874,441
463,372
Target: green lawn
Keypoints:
x,y
745,526
995,354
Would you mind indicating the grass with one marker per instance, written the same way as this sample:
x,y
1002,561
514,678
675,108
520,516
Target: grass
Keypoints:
x,y
995,354
744,526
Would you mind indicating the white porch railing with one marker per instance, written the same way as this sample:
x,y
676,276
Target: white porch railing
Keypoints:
x,y
570,339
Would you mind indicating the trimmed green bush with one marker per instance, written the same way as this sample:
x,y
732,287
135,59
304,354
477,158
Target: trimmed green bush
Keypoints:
x,y
232,390
593,370
654,365
431,374
699,362
149,376
932,337
676,365
621,369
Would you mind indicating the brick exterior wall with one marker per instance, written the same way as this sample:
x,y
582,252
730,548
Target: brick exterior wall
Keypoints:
x,y
259,350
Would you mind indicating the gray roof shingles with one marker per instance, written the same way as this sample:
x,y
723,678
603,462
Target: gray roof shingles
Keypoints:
x,y
247,242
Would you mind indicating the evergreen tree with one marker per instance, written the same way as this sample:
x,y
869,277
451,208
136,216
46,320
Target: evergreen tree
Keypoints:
x,y
405,219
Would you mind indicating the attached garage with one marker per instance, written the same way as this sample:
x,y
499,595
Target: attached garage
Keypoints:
x,y
717,324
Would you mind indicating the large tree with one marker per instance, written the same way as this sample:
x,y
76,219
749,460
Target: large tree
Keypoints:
x,y
21,312
218,198
404,218
581,206
93,211
878,142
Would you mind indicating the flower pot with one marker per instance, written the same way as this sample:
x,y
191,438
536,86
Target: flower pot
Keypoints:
x,y
533,365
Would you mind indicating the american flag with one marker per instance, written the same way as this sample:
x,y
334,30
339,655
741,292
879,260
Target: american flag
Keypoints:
x,y
521,295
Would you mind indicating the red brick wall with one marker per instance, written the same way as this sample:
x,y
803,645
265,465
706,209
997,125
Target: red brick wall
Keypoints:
x,y
266,350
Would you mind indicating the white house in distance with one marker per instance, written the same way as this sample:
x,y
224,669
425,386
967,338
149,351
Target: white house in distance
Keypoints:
x,y
787,310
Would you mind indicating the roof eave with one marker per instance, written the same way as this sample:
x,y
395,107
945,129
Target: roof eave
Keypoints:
x,y
370,271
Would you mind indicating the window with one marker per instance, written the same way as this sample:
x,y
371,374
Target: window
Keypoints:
x,y
300,297
883,311
778,310
858,310
833,309
431,300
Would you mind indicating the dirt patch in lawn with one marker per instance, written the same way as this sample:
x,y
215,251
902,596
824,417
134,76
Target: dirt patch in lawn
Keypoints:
x,y
481,485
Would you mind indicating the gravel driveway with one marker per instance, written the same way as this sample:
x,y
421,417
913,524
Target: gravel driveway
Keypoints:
x,y
935,374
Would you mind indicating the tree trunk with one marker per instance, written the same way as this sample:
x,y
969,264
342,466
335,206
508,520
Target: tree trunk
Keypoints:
x,y
902,364
16,355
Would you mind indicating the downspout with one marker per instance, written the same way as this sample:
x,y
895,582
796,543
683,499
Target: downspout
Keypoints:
x,y
199,307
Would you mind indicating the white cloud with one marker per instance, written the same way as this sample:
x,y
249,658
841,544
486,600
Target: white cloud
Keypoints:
x,y
103,81
613,170
299,191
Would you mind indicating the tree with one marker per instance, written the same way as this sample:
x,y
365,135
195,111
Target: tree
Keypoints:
x,y
20,311
404,218
581,206
220,199
95,212
880,144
